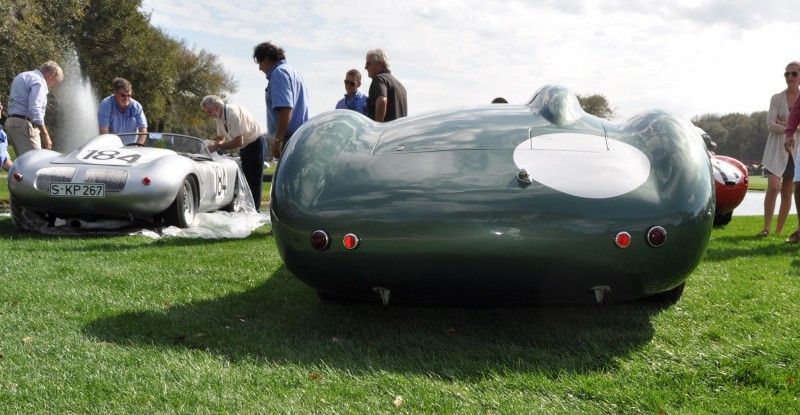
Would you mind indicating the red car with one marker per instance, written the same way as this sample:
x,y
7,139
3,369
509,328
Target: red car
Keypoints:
x,y
730,179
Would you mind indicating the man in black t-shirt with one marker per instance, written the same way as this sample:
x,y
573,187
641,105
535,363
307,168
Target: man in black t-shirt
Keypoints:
x,y
387,96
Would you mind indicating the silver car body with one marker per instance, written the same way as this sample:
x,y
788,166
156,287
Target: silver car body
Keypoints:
x,y
105,179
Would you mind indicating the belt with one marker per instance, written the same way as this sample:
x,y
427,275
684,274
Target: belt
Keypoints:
x,y
21,116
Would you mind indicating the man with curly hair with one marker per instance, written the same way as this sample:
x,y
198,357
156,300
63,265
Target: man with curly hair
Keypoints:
x,y
286,95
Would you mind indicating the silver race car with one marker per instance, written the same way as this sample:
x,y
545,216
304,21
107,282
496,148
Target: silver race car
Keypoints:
x,y
166,181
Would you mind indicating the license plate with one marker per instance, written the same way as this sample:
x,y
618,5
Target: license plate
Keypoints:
x,y
78,189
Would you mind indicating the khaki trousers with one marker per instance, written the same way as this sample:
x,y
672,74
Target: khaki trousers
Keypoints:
x,y
22,135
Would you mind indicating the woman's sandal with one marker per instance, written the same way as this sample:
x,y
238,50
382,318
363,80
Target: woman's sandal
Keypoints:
x,y
763,234
794,237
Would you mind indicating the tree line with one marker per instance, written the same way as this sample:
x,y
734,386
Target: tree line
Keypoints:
x,y
741,136
113,38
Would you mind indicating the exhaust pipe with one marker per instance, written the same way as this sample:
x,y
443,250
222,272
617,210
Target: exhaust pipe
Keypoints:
x,y
99,224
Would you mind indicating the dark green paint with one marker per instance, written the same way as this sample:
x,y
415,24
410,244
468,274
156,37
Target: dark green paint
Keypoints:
x,y
442,218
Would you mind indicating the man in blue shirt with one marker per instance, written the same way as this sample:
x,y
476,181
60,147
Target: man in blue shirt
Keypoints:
x,y
26,106
286,95
120,113
353,99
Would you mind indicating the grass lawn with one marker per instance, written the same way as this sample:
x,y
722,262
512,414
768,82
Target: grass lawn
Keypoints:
x,y
130,325
757,182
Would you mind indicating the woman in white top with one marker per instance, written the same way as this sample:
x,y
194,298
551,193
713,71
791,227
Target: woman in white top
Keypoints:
x,y
777,161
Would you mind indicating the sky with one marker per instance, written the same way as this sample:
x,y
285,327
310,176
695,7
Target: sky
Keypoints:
x,y
685,57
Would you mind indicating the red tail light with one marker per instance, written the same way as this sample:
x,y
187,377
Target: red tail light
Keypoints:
x,y
351,241
623,239
146,181
656,236
17,176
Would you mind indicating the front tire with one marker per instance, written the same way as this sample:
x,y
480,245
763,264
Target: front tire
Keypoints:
x,y
182,211
722,219
24,219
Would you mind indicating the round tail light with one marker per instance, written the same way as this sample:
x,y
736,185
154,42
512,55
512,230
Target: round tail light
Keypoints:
x,y
351,241
623,239
656,236
146,181
17,176
320,240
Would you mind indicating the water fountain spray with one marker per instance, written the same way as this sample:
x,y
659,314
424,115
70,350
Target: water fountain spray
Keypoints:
x,y
77,117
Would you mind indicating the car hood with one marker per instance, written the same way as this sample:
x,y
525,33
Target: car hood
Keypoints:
x,y
108,150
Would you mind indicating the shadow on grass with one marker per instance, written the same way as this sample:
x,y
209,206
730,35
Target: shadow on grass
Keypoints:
x,y
282,321
737,246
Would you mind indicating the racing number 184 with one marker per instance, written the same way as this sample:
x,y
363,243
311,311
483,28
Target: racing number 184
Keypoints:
x,y
106,155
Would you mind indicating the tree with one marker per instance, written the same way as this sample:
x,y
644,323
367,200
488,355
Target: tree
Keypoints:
x,y
596,105
116,40
741,136
197,74
112,38
29,39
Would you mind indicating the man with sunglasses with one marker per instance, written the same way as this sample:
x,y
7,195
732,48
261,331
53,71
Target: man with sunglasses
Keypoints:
x,y
353,99
120,113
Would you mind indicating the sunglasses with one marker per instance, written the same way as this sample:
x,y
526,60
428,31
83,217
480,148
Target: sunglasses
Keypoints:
x,y
349,83
793,74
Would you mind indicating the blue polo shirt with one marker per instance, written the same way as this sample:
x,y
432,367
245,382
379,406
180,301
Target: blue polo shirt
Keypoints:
x,y
110,115
285,89
358,103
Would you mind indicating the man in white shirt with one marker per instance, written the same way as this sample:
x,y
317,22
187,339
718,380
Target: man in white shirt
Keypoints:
x,y
237,128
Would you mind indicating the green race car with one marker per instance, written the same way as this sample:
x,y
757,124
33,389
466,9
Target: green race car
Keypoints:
x,y
501,204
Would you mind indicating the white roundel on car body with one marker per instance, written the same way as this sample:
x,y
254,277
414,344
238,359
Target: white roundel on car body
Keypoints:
x,y
583,165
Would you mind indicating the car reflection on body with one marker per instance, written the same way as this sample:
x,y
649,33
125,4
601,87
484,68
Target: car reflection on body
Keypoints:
x,y
105,183
501,204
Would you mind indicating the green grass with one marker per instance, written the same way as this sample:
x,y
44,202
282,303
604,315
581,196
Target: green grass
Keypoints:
x,y
130,325
757,182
